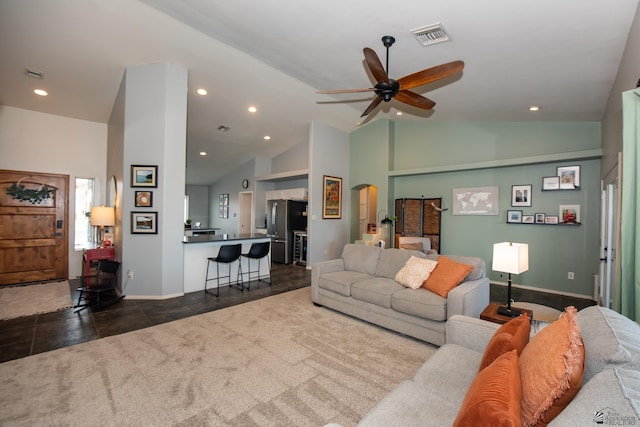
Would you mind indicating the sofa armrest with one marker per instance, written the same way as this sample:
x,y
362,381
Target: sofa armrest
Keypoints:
x,y
321,268
468,298
469,332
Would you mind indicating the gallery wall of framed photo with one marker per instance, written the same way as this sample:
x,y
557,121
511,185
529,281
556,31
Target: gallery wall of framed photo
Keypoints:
x,y
566,178
143,179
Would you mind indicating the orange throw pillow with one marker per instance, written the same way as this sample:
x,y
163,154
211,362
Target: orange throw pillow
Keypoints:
x,y
447,275
493,398
551,366
513,335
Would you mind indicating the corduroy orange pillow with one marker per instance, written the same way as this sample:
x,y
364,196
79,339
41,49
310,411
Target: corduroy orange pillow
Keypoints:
x,y
551,368
447,275
513,335
493,398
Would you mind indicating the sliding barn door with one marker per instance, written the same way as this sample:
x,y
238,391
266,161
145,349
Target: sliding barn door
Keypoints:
x,y
33,227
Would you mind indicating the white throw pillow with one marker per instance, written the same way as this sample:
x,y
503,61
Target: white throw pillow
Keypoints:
x,y
415,272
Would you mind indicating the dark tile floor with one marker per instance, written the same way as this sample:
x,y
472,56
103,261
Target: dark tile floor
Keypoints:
x,y
498,293
35,334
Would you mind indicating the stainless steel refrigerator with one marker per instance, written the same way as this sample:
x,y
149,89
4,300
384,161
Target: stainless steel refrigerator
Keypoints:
x,y
283,218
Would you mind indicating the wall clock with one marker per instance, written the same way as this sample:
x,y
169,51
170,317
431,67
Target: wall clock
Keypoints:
x,y
245,183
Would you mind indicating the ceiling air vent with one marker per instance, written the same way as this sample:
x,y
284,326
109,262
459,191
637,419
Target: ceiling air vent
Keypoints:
x,y
431,35
33,73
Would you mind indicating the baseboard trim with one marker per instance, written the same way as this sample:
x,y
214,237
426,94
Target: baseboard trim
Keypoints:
x,y
155,297
547,291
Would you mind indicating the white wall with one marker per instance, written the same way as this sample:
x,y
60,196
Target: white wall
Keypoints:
x,y
329,155
39,142
198,204
155,123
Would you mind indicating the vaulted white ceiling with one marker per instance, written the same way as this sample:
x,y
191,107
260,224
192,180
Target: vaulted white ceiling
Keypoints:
x,y
560,55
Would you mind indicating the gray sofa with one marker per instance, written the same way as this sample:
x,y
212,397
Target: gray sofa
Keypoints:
x,y
611,384
361,284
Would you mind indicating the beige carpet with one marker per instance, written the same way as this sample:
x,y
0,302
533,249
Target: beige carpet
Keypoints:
x,y
18,301
278,361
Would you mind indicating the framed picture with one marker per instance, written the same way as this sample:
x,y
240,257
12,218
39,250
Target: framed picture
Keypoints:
x,y
514,216
569,214
540,218
521,195
144,199
331,197
550,183
528,219
569,177
551,219
144,222
144,176
476,201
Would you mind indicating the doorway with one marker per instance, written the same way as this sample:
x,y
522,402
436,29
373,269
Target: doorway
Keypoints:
x,y
245,212
33,227
609,241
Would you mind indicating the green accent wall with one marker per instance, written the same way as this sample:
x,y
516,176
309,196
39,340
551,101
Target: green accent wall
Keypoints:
x,y
431,159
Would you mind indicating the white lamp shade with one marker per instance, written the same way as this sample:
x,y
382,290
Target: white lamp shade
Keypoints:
x,y
102,216
510,257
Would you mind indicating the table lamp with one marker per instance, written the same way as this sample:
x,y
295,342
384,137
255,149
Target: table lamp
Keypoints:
x,y
510,258
101,217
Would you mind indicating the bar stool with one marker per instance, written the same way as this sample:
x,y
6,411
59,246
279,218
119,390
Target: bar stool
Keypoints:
x,y
258,251
226,255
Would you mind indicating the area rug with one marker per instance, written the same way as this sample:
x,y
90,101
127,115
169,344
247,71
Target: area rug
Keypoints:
x,y
26,300
278,361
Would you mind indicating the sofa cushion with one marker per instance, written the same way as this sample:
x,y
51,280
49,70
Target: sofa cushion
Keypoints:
x,y
340,281
415,272
377,290
421,303
478,264
417,246
392,260
551,367
435,394
447,275
612,395
361,258
610,340
513,335
493,398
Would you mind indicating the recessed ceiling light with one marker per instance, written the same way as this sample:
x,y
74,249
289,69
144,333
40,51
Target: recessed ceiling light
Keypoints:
x,y
202,91
203,153
534,108
41,92
399,113
252,109
267,137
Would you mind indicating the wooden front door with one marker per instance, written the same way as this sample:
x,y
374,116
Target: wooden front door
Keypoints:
x,y
33,227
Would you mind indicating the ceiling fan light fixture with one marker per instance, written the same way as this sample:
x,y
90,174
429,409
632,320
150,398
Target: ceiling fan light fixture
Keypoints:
x,y
431,34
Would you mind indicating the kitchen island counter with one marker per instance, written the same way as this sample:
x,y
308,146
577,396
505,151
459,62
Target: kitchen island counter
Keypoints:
x,y
197,250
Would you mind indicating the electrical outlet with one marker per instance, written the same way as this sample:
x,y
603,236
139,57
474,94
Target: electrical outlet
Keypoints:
x,y
129,274
570,275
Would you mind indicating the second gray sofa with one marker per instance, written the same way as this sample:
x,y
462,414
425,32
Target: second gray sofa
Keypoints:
x,y
361,284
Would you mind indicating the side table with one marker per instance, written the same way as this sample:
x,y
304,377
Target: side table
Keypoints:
x,y
90,258
490,313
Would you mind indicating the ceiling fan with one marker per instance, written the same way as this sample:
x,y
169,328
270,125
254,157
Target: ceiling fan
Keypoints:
x,y
386,89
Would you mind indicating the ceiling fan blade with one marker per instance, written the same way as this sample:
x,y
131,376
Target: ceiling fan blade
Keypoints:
x,y
375,65
376,101
430,75
371,89
414,99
